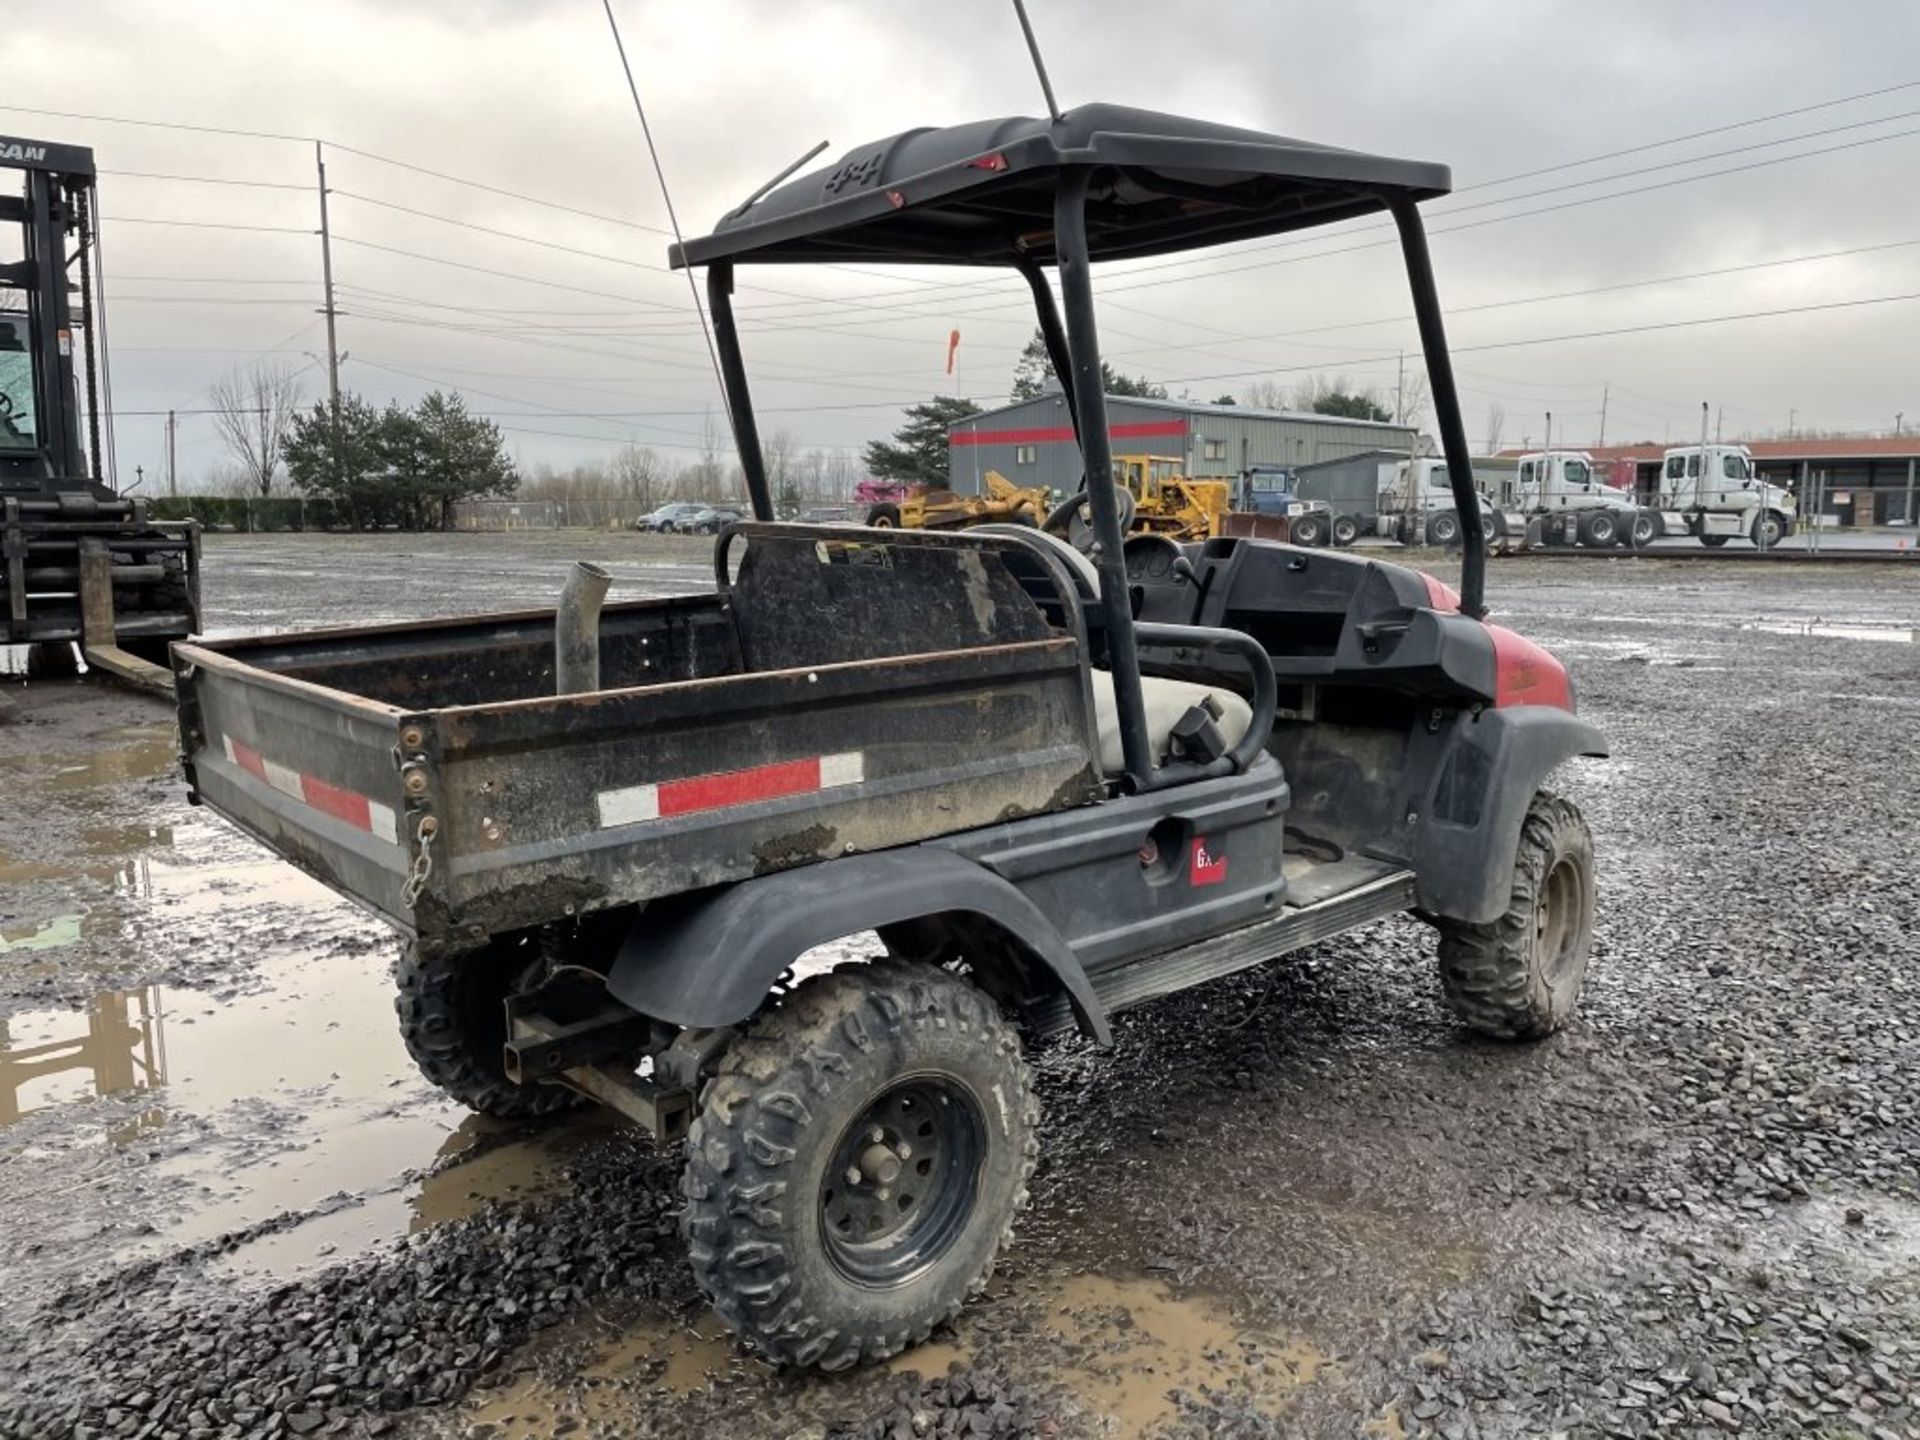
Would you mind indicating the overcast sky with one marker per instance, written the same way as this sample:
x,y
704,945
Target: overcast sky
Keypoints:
x,y
527,97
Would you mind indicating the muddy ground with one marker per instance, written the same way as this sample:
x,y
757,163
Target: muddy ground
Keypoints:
x,y
1302,1201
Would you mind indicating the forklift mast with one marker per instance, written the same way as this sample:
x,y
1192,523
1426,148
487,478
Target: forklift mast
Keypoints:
x,y
80,563
42,448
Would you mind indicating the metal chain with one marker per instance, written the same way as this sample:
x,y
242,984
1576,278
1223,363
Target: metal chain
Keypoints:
x,y
422,869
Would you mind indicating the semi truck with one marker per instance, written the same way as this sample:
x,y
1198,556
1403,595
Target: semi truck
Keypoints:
x,y
1564,491
1712,492
1418,505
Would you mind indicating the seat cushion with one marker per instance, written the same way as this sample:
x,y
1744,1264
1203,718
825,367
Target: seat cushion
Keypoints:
x,y
1166,701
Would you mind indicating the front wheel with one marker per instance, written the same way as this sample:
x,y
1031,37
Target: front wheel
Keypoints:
x,y
884,516
857,1163
1714,542
1768,530
1518,977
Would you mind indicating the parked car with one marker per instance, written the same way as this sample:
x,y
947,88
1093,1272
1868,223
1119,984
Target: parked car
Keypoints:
x,y
668,518
708,520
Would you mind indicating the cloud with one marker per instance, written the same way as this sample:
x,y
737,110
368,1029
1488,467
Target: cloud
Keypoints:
x,y
527,97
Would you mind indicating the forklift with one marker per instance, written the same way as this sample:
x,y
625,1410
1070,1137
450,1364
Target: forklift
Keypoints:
x,y
79,561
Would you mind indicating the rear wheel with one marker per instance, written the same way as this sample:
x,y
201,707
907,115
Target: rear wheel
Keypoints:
x,y
884,516
1714,542
1645,529
1444,529
857,1163
453,1018
1308,530
1599,530
1519,976
1346,530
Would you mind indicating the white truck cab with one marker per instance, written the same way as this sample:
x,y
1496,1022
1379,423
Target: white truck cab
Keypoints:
x,y
1419,504
1714,492
1577,506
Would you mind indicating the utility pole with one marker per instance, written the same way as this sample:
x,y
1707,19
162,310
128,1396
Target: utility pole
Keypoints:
x,y
1898,417
1605,391
173,476
326,275
1399,390
1790,418
1719,415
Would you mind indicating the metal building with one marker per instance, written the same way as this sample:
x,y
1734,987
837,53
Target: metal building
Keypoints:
x,y
1031,441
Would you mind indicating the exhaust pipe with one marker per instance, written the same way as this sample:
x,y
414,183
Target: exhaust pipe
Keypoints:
x,y
576,630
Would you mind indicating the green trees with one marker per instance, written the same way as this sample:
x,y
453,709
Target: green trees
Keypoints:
x,y
1031,371
398,467
918,451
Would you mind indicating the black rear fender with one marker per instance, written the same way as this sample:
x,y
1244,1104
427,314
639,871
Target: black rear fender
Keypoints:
x,y
709,959
1469,835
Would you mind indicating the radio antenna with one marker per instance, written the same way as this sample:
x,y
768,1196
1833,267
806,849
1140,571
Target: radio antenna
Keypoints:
x,y
660,174
1039,65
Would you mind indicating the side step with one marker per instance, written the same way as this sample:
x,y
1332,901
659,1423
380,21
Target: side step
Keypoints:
x,y
1122,987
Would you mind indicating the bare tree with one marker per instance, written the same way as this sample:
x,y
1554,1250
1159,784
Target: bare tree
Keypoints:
x,y
1496,426
253,411
1264,395
637,473
1410,400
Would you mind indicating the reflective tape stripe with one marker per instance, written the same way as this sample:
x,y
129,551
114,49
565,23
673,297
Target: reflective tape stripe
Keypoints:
x,y
341,803
724,789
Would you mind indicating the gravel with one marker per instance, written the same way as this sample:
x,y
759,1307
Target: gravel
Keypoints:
x,y
1696,1212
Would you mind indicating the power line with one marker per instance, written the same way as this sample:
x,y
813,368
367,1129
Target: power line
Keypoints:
x,y
205,224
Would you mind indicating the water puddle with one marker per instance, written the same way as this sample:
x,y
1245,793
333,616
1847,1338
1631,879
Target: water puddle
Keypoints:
x,y
598,1377
137,752
299,1099
1123,1349
1833,630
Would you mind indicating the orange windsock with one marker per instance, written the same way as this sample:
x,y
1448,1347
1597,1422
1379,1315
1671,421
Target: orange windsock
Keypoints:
x,y
953,345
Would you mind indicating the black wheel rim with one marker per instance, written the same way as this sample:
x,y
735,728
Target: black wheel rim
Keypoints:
x,y
1557,918
888,1216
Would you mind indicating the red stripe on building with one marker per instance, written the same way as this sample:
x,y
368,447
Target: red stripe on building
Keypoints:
x,y
347,805
739,787
1049,434
249,760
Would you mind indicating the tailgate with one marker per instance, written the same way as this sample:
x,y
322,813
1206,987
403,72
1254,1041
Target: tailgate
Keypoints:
x,y
313,773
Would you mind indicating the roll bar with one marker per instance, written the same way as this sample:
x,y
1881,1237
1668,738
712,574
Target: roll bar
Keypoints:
x,y
1074,350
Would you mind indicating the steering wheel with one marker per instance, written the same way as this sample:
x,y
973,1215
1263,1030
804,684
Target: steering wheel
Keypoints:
x,y
1075,517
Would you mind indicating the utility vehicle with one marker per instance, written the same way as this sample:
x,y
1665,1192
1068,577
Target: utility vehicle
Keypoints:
x,y
1057,782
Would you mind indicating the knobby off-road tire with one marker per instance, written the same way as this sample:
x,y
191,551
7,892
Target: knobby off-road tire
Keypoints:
x,y
884,516
784,1174
453,1019
1519,977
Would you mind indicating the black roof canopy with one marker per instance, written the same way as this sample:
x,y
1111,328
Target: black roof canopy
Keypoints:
x,y
982,193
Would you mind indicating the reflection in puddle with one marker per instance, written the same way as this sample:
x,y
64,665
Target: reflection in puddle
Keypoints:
x,y
41,935
121,1049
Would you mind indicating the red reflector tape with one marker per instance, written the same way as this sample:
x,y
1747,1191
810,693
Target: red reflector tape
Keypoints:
x,y
357,810
725,789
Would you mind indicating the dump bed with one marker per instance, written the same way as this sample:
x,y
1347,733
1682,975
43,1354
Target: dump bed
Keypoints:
x,y
838,694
